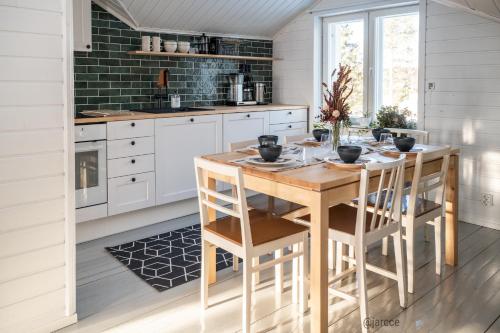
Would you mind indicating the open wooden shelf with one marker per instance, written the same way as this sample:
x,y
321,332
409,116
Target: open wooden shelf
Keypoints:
x,y
196,55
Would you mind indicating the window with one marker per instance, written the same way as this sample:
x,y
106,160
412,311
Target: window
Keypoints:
x,y
382,49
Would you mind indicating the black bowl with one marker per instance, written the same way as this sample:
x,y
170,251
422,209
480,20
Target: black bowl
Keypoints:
x,y
266,140
404,144
377,131
349,154
270,153
318,132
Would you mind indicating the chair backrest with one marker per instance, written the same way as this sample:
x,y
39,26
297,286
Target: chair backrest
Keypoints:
x,y
435,181
296,138
242,144
421,137
387,197
208,198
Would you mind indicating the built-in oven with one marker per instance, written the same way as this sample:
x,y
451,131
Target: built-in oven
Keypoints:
x,y
90,172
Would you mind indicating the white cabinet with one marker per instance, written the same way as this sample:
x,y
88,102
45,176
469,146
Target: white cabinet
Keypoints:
x,y
131,147
177,141
131,193
131,165
244,126
288,116
130,129
82,25
282,130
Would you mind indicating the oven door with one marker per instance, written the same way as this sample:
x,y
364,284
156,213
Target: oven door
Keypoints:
x,y
90,173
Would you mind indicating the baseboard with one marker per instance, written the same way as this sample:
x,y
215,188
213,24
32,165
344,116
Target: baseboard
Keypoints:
x,y
90,230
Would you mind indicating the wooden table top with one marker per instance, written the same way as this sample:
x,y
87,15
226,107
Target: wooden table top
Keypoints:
x,y
316,177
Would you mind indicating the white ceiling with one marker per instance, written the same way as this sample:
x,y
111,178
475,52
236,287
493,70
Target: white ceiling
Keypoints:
x,y
486,8
246,18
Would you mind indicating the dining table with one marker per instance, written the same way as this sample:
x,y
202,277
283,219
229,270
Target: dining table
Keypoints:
x,y
320,186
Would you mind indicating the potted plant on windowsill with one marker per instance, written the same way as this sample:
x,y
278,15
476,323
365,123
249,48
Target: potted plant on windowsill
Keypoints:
x,y
335,111
392,116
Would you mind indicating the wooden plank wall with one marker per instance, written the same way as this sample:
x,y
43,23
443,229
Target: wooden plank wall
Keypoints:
x,y
463,60
33,162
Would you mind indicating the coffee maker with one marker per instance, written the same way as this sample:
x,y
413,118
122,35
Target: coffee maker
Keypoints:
x,y
241,89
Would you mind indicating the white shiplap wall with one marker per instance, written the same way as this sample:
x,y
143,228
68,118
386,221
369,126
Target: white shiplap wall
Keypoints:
x,y
36,288
463,60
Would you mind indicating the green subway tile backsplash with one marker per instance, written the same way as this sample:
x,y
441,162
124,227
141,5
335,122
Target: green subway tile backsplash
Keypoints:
x,y
109,78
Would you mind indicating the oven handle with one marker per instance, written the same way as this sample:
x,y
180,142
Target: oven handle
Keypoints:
x,y
89,146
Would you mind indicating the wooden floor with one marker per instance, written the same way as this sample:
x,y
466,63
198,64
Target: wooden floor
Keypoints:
x,y
465,298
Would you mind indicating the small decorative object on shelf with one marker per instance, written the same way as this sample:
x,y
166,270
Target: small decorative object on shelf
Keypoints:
x,y
336,110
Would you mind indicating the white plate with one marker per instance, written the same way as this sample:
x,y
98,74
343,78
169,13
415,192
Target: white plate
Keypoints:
x,y
394,149
281,161
361,160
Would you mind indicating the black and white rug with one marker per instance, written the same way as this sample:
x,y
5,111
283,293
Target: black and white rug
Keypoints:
x,y
167,260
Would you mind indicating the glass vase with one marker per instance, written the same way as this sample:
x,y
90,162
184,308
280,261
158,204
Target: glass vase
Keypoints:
x,y
336,129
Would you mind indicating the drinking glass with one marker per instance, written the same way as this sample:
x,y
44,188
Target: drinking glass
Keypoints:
x,y
386,138
325,141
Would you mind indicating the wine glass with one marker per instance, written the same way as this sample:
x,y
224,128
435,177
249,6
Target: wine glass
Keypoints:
x,y
386,139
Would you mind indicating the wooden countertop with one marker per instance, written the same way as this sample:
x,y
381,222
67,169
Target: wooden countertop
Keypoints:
x,y
216,110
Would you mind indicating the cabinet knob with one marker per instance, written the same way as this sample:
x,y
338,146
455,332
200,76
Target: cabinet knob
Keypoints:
x,y
289,126
132,143
133,161
133,179
248,115
88,46
290,112
191,120
132,124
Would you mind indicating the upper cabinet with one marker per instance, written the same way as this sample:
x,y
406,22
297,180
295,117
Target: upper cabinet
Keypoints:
x,y
82,25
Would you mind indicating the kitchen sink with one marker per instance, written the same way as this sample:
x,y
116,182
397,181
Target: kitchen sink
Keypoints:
x,y
173,110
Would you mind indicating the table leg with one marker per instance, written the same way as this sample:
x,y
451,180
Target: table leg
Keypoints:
x,y
452,184
319,263
212,216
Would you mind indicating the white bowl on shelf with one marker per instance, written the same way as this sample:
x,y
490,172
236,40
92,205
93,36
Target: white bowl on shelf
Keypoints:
x,y
183,47
170,46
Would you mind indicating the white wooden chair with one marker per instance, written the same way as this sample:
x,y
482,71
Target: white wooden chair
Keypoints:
x,y
359,227
419,210
246,234
296,138
421,137
263,202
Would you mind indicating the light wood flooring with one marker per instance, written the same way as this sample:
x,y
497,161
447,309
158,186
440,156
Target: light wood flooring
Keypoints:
x,y
465,298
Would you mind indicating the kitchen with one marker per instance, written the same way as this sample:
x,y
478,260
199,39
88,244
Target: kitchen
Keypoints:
x,y
116,98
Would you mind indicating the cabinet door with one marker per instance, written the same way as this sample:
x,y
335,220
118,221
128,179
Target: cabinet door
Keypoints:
x,y
288,116
177,141
282,130
131,193
244,126
82,25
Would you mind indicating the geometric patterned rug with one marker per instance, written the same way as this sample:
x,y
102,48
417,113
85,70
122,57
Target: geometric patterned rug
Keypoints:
x,y
167,260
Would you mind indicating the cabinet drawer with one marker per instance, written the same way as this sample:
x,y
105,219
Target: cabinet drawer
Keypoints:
x,y
131,147
130,129
282,130
131,193
130,165
287,116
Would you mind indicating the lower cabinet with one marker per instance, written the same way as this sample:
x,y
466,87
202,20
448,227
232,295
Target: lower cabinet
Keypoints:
x,y
129,193
177,141
244,126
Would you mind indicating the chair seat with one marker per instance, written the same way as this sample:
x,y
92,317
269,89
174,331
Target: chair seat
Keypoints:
x,y
343,218
279,207
264,228
422,206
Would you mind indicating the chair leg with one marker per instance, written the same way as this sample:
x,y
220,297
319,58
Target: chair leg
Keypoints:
x,y
410,256
255,275
339,263
205,249
385,245
304,275
351,255
295,276
361,275
331,254
400,268
247,294
278,273
438,222
235,263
